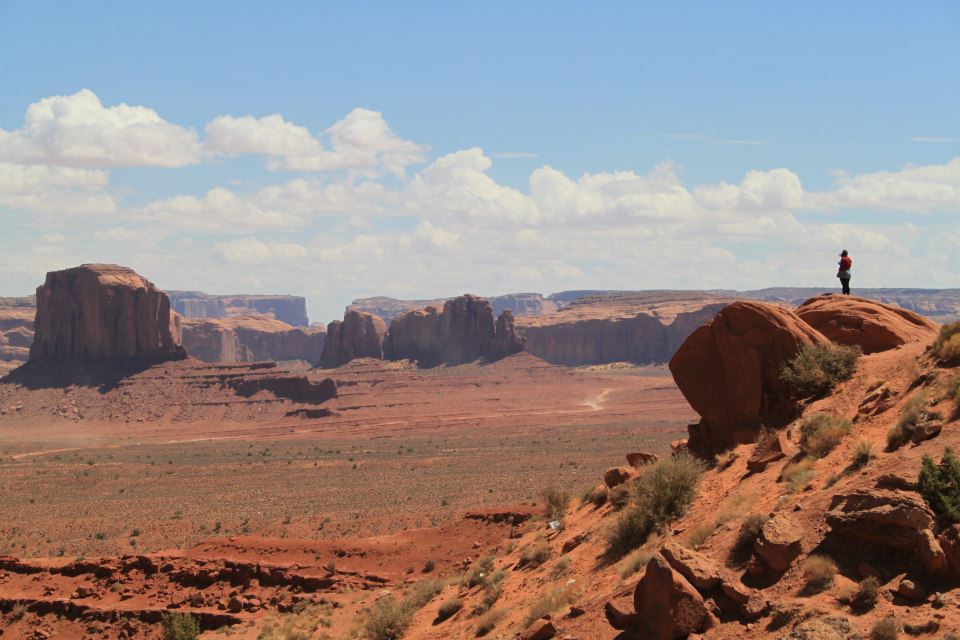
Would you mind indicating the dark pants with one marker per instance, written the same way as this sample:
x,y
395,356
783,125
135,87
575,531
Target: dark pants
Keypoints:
x,y
845,282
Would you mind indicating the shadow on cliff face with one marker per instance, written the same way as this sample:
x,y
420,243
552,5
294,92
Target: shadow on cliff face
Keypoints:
x,y
104,375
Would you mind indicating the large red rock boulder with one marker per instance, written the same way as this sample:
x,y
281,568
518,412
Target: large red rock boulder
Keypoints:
x,y
360,335
729,372
104,311
949,541
779,543
872,326
463,331
890,518
667,606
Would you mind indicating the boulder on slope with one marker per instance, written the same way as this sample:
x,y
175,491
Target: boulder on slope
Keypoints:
x,y
729,372
872,326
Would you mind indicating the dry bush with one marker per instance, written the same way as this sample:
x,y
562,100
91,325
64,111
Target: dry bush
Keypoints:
x,y
947,345
449,608
17,612
724,459
886,629
560,568
489,620
478,573
661,492
700,533
180,626
867,594
818,573
914,412
953,391
535,553
798,475
821,432
549,602
423,592
595,495
387,619
306,621
619,497
635,561
939,484
817,369
863,453
556,501
750,530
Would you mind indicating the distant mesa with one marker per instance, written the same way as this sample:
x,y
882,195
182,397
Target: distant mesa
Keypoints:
x,y
251,338
520,304
463,331
872,326
729,371
195,304
360,335
103,312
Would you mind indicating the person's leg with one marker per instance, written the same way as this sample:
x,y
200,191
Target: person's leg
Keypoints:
x,y
846,285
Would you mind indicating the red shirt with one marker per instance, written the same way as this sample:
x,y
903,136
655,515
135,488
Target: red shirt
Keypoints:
x,y
845,263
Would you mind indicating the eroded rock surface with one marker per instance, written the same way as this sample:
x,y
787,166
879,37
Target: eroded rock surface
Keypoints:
x,y
360,335
870,325
889,518
104,311
729,371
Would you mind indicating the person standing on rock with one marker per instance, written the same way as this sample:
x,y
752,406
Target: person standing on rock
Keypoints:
x,y
844,273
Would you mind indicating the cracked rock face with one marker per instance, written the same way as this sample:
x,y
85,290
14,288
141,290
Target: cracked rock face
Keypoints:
x,y
104,311
891,518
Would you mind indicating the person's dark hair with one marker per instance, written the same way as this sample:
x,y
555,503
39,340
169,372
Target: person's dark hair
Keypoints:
x,y
843,253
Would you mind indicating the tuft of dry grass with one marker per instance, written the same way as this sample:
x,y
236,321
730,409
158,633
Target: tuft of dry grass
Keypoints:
x,y
886,629
863,453
535,553
750,530
700,534
489,620
914,412
549,602
619,497
867,594
449,609
818,573
306,621
724,459
947,345
556,503
798,475
821,432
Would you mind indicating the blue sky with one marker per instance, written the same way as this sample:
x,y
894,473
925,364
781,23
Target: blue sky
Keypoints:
x,y
616,145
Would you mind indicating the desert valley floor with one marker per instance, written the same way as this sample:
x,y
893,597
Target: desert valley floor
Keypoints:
x,y
403,448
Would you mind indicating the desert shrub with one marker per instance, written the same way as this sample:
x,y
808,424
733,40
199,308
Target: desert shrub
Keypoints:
x,y
863,453
913,412
724,459
560,568
449,608
818,573
180,626
428,566
556,503
387,619
478,572
886,629
750,530
17,612
535,553
700,533
549,602
661,492
818,368
619,497
637,560
821,432
939,484
867,594
423,592
304,622
595,495
947,345
488,621
798,475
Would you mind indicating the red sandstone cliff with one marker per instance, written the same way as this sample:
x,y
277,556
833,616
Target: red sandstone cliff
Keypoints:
x,y
101,311
360,335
